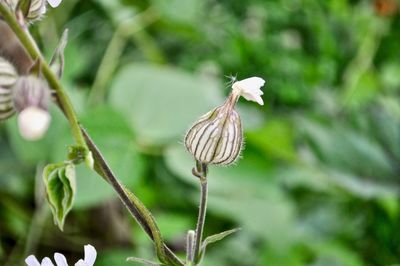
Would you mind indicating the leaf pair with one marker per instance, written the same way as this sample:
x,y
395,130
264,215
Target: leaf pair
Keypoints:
x,y
60,184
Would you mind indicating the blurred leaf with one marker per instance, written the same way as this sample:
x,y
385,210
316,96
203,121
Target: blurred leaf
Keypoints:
x,y
114,137
215,238
343,148
60,184
162,102
187,12
143,261
275,139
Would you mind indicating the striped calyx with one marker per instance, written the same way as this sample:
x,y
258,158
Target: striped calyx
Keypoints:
x,y
32,9
36,10
8,76
217,138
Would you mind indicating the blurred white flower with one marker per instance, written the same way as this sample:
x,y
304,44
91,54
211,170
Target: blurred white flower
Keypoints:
x,y
250,89
90,258
54,3
33,123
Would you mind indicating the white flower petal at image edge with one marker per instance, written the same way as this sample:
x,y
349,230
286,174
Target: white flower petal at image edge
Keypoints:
x,y
60,259
250,89
54,3
32,261
90,257
33,123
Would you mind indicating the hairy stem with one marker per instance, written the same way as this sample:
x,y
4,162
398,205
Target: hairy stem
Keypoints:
x,y
201,172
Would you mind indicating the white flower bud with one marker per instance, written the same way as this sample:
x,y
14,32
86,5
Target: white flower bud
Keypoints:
x,y
36,10
31,100
33,123
217,138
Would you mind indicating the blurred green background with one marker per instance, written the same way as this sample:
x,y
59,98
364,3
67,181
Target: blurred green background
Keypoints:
x,y
319,181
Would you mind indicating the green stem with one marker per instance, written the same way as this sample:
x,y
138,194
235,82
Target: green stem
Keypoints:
x,y
51,78
202,174
115,50
133,204
107,66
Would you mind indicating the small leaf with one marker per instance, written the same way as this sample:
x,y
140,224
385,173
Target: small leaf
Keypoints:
x,y
57,62
76,154
143,261
79,154
216,238
60,184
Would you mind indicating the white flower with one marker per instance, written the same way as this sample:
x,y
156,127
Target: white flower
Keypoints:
x,y
250,89
33,122
54,3
90,258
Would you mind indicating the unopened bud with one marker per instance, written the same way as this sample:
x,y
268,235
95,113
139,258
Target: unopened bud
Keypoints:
x,y
8,76
31,100
32,9
217,138
36,10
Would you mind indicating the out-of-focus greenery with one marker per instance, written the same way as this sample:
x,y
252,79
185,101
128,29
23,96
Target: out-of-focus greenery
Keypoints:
x,y
318,183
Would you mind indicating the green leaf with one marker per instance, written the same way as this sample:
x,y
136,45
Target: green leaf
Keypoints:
x,y
143,261
218,237
57,62
60,184
213,239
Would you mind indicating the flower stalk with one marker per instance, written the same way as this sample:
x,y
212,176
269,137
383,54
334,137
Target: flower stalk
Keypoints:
x,y
201,172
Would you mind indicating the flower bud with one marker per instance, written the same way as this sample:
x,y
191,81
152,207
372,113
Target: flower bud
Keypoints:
x,y
8,76
32,11
217,138
31,100
36,10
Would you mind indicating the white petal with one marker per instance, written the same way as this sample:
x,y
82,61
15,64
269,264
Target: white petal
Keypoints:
x,y
47,262
54,3
90,255
33,123
32,261
80,263
60,259
250,89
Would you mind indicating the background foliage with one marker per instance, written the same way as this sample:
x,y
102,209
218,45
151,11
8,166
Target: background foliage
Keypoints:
x,y
319,180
